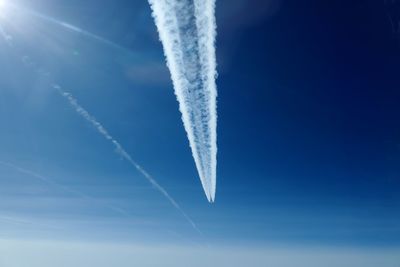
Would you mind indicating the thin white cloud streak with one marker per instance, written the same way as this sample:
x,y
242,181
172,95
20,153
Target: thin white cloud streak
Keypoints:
x,y
61,186
16,221
8,38
66,26
121,151
187,31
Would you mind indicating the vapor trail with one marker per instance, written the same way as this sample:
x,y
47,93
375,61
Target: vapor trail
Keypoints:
x,y
187,31
120,150
67,26
77,30
6,37
63,187
18,221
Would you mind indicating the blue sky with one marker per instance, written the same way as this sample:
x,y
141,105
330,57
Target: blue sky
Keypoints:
x,y
308,137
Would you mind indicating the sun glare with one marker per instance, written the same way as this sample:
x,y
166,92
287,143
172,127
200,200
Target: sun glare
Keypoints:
x,y
2,5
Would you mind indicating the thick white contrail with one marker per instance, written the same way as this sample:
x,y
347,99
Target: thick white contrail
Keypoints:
x,y
187,31
120,150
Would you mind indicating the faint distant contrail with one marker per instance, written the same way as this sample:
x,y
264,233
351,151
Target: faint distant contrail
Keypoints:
x,y
67,26
78,30
6,36
187,30
63,187
19,221
120,150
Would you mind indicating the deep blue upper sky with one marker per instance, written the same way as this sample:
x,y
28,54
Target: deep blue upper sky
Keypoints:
x,y
308,129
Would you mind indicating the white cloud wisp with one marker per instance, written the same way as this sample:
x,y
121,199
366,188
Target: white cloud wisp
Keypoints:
x,y
120,150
